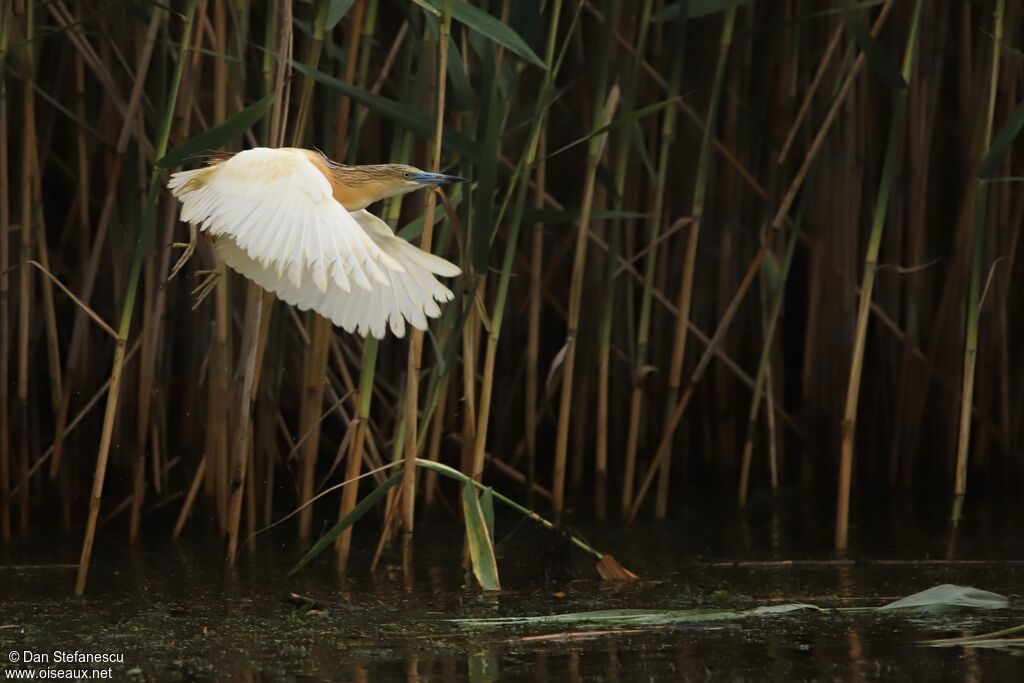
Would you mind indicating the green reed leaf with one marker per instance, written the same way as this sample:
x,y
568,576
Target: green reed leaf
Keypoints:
x,y
481,549
217,136
490,26
351,518
1001,143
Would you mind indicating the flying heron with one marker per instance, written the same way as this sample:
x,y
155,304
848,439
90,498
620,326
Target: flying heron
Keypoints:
x,y
296,223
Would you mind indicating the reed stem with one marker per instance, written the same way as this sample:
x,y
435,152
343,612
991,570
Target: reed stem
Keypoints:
x,y
155,185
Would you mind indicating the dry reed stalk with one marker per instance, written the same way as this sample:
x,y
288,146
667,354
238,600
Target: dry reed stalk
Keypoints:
x,y
611,271
636,398
575,300
126,314
315,360
29,142
353,464
5,289
79,330
812,89
470,347
253,329
685,297
762,386
190,498
313,61
974,294
523,172
826,126
738,372
152,311
241,446
533,326
921,115
426,241
99,68
691,113
664,447
341,127
217,415
49,312
366,44
315,367
849,422
434,448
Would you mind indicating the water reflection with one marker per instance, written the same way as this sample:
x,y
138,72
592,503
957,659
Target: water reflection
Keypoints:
x,y
177,612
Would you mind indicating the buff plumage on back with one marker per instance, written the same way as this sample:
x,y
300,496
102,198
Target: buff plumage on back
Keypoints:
x,y
275,220
279,208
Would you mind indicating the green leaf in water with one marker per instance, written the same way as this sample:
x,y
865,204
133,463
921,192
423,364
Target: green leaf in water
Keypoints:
x,y
624,617
351,518
948,597
481,550
487,507
937,599
223,132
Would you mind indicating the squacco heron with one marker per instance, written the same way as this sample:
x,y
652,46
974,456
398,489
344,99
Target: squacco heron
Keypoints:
x,y
295,223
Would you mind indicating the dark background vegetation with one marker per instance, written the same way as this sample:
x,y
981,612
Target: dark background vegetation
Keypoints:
x,y
733,162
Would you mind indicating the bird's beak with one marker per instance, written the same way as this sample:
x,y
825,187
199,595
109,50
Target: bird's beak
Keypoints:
x,y
436,178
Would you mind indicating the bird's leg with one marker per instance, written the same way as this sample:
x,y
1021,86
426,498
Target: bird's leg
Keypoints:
x,y
204,288
189,249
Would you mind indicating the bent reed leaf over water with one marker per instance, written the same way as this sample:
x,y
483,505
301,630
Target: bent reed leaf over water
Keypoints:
x,y
735,318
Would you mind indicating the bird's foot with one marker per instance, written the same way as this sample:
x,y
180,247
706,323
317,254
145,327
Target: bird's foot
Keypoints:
x,y
204,288
189,249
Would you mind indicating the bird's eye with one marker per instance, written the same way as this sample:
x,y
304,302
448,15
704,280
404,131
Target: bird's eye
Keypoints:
x,y
407,175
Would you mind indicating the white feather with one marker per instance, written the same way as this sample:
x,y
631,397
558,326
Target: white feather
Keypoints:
x,y
280,210
411,294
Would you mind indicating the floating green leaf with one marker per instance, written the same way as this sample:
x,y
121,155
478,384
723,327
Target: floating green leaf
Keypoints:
x,y
939,598
217,136
481,549
948,597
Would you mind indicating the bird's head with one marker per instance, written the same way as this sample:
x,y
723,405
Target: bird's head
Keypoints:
x,y
403,179
359,186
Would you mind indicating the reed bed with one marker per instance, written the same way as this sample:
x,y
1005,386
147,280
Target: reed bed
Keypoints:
x,y
738,246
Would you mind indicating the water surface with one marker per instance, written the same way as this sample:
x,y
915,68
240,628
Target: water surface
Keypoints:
x,y
176,613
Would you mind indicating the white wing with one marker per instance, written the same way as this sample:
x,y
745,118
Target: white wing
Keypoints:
x,y
280,209
413,295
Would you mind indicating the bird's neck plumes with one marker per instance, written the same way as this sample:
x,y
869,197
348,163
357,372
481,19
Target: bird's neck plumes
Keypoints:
x,y
356,187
